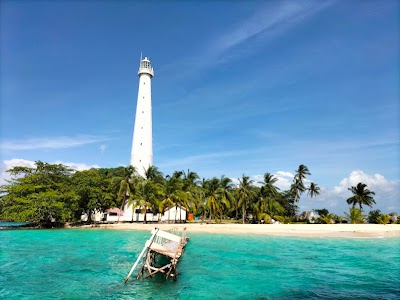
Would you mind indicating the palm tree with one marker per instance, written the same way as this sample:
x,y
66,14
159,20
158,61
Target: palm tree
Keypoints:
x,y
225,196
190,180
355,216
123,184
172,195
361,195
297,187
212,196
267,205
246,194
153,174
145,196
313,190
301,173
269,189
383,219
190,186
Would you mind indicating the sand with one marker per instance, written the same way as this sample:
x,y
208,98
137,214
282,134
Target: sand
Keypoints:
x,y
299,230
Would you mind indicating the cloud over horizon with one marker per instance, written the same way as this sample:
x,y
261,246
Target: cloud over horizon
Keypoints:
x,y
60,142
9,164
387,194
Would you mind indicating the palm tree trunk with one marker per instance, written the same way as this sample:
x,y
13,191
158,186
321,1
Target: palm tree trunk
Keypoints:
x,y
244,213
122,206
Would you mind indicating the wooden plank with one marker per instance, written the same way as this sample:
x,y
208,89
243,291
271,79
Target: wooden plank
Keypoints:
x,y
147,245
168,236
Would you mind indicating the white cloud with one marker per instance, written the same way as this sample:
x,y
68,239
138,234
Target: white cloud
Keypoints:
x,y
61,142
274,18
9,164
285,179
103,148
387,194
77,166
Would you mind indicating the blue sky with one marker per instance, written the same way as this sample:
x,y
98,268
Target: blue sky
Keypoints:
x,y
240,88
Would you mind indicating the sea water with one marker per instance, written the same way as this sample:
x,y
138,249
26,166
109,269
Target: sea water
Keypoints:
x,y
92,264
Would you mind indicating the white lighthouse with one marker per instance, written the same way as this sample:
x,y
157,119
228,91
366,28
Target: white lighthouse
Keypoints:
x,y
142,144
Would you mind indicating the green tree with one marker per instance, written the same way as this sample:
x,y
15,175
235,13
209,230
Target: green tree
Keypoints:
x,y
145,196
287,201
313,190
267,205
361,195
94,190
225,196
383,219
297,187
212,203
268,188
373,216
322,212
42,195
173,195
355,216
327,219
246,194
153,174
123,185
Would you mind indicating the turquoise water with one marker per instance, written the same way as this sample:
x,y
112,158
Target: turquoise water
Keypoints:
x,y
13,224
92,264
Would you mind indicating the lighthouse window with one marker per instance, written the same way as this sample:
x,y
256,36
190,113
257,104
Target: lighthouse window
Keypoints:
x,y
140,144
142,112
143,97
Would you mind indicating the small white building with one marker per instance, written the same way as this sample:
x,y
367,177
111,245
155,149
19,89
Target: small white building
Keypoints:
x,y
113,215
97,216
175,213
136,214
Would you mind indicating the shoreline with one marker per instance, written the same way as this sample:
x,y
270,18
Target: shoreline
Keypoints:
x,y
289,230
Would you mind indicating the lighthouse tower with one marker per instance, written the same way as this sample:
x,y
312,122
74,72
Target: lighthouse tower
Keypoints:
x,y
142,144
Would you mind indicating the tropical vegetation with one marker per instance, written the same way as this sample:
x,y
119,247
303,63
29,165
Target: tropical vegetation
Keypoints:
x,y
53,194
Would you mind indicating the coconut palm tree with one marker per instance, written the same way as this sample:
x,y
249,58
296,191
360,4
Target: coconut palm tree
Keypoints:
x,y
355,216
383,219
246,194
301,173
268,185
313,190
172,194
153,174
297,187
146,195
267,207
212,202
225,196
123,184
361,195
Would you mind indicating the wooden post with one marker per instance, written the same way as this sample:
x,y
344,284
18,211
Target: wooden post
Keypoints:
x,y
146,246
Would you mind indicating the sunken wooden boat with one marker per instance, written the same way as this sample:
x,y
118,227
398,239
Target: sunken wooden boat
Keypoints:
x,y
161,254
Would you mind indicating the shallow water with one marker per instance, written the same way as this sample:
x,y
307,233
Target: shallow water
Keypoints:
x,y
92,264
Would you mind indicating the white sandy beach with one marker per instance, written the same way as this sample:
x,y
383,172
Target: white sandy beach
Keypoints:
x,y
300,230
